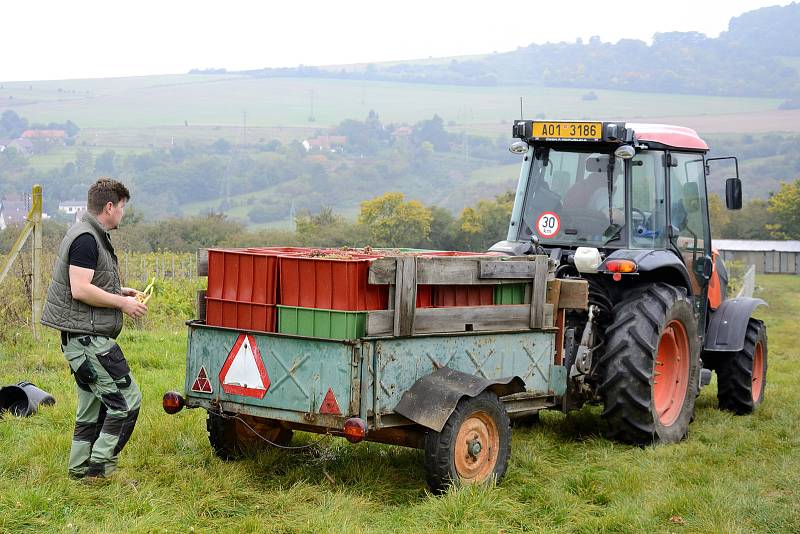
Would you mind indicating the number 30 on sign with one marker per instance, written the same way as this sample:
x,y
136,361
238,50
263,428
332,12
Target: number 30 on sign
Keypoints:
x,y
548,224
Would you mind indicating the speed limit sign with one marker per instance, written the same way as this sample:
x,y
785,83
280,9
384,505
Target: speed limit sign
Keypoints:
x,y
548,224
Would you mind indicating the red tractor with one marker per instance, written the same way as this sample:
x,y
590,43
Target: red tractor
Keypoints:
x,y
624,207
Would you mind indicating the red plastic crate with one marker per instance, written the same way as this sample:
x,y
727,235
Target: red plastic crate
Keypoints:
x,y
330,284
448,296
242,289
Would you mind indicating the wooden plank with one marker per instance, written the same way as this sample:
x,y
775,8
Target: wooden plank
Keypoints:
x,y
202,262
507,269
539,293
561,320
450,271
405,296
383,271
553,291
380,323
201,304
573,294
468,319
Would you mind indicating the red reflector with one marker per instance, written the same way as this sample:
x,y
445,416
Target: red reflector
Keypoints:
x,y
621,266
172,402
355,429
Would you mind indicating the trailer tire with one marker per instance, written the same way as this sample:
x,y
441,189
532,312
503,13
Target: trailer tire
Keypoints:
x,y
650,373
231,439
473,446
742,375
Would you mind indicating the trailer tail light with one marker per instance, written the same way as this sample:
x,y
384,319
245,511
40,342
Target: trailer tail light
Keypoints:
x,y
173,402
355,430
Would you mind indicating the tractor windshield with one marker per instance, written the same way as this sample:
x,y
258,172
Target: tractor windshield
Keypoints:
x,y
575,198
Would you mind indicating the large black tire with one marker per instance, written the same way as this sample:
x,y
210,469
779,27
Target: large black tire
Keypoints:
x,y
632,366
230,439
482,420
742,375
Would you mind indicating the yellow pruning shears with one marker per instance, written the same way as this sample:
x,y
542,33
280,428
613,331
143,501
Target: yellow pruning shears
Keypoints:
x,y
144,296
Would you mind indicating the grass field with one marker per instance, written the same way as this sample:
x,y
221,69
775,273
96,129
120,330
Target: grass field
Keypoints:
x,y
732,474
177,100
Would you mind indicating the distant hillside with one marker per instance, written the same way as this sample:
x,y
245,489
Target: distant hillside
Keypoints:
x,y
757,56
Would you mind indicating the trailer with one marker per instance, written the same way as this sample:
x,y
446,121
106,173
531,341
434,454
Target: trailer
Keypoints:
x,y
446,380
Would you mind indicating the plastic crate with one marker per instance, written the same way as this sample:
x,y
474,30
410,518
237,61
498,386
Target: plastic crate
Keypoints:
x,y
329,324
509,294
330,284
242,289
449,296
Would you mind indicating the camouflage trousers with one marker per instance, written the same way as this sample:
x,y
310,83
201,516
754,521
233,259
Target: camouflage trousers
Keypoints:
x,y
108,403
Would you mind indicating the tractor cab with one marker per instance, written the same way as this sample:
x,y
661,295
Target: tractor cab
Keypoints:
x,y
633,192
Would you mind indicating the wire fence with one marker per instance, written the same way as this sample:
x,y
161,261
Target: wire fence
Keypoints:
x,y
141,267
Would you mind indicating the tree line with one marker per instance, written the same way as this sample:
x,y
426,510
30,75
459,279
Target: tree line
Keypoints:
x,y
749,59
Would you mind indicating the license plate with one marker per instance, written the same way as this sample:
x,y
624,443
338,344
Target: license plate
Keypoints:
x,y
571,131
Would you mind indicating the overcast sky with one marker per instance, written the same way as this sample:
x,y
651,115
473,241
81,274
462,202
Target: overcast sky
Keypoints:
x,y
54,39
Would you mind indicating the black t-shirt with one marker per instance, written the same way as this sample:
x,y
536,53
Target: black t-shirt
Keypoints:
x,y
83,252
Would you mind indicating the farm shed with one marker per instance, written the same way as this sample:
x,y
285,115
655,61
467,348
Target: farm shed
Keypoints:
x,y
767,256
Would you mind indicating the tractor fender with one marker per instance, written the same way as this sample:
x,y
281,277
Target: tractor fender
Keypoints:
x,y
728,324
657,265
432,398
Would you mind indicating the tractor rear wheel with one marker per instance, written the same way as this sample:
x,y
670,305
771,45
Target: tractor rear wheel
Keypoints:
x,y
230,437
742,375
651,375
473,446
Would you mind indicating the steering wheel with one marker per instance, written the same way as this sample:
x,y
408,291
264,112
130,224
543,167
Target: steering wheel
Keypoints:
x,y
641,216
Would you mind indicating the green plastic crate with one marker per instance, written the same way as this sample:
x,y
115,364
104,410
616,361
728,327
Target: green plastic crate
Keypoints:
x,y
509,294
329,324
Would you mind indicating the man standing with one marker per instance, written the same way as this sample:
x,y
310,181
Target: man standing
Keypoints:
x,y
85,301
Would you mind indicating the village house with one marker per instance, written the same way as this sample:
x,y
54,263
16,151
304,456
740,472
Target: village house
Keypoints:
x,y
13,210
330,143
52,136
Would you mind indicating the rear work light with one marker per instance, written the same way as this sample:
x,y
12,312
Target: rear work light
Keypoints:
x,y
172,402
620,267
355,430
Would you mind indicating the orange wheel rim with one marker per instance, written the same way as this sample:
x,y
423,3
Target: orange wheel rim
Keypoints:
x,y
476,447
758,372
671,374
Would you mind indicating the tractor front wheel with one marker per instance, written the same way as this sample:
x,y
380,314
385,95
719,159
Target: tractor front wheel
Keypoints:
x,y
234,435
742,375
650,378
473,446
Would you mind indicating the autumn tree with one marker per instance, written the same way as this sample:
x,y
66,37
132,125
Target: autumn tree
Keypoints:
x,y
394,222
485,223
785,206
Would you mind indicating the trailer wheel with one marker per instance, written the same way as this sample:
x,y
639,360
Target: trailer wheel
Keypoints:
x,y
473,446
231,439
742,375
650,380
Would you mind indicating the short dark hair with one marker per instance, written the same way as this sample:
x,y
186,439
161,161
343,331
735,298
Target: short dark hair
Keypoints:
x,y
103,191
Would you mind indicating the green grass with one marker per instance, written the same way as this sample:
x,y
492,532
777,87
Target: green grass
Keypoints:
x,y
732,474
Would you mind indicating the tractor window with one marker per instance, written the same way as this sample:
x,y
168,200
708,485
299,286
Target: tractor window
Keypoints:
x,y
648,202
569,198
688,208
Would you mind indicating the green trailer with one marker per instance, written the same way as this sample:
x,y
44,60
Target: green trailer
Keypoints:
x,y
445,380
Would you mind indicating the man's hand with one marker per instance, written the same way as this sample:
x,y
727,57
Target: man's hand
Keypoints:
x,y
129,292
133,308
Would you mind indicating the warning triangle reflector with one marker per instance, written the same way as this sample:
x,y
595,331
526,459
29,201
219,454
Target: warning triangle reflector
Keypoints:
x,y
243,372
202,384
329,404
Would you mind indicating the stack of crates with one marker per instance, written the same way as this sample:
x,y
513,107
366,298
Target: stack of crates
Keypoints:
x,y
324,294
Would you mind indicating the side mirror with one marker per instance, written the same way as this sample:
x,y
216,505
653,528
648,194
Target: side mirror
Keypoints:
x,y
703,267
733,193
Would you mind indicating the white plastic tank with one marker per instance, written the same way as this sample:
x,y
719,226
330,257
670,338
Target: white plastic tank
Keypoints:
x,y
587,259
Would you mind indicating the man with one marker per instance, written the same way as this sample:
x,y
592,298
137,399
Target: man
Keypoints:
x,y
85,301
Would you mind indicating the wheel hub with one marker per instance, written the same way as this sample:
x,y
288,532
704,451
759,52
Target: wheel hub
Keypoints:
x,y
476,448
671,372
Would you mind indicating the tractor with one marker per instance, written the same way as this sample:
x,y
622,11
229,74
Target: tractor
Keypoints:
x,y
616,211
625,207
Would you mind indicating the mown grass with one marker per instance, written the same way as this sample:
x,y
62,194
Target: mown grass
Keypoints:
x,y
732,474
